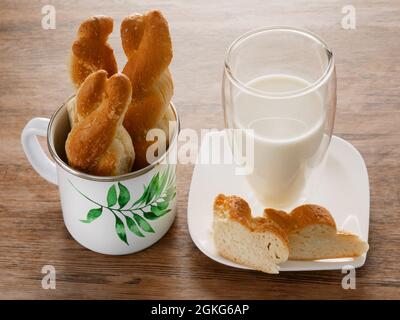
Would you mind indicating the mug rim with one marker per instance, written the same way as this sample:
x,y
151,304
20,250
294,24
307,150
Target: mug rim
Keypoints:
x,y
86,176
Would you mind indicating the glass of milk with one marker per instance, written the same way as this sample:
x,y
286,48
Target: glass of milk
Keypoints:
x,y
279,84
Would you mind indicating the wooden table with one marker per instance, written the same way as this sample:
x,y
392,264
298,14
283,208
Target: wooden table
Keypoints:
x,y
34,81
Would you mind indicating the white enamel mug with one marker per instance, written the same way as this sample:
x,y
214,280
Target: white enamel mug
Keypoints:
x,y
110,215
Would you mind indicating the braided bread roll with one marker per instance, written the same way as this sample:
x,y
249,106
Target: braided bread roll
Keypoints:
x,y
91,52
147,44
98,143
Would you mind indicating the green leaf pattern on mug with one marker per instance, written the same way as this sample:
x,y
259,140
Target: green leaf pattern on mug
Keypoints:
x,y
151,205
143,223
124,195
133,227
120,229
93,214
150,216
112,196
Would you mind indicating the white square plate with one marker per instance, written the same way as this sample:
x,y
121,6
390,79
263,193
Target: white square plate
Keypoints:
x,y
343,189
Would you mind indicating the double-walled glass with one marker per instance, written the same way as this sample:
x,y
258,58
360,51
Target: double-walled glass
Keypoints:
x,y
279,86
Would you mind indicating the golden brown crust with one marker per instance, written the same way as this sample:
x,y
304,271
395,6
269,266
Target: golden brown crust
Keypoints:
x,y
237,209
301,217
91,52
90,94
310,215
147,109
88,143
147,45
141,146
234,208
280,217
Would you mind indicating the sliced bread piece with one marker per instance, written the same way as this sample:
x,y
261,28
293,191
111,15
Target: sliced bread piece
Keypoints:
x,y
313,235
255,242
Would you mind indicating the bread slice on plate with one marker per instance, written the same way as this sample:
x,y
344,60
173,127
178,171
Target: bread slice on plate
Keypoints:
x,y
313,235
258,242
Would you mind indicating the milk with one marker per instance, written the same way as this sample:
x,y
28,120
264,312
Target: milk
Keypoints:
x,y
288,137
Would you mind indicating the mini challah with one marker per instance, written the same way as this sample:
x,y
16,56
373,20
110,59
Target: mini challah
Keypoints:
x,y
147,45
91,52
98,143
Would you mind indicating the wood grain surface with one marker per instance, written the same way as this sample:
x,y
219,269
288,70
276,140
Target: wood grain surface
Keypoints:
x,y
34,81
